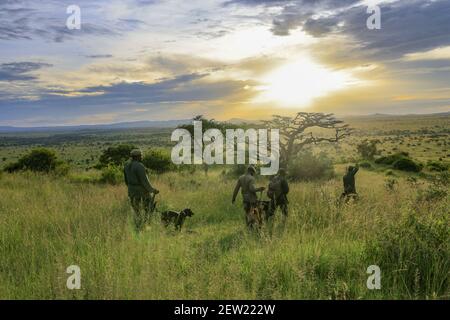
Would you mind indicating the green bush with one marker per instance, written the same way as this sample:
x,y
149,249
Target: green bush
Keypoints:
x,y
307,166
414,255
62,169
115,156
158,160
368,148
38,160
400,161
389,160
406,164
112,175
437,166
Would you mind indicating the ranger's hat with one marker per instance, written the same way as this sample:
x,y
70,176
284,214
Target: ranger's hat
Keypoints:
x,y
136,152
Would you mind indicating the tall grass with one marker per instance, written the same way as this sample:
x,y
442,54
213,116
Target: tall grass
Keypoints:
x,y
322,252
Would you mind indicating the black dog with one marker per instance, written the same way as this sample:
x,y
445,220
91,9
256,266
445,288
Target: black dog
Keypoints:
x,y
177,218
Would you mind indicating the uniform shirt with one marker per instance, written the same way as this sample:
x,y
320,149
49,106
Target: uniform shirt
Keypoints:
x,y
280,192
246,183
136,179
349,181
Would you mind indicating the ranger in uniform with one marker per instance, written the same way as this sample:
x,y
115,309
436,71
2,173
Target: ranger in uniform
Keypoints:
x,y
139,189
277,192
349,183
246,183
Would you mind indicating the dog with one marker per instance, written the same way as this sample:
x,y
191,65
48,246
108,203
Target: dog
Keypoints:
x,y
177,218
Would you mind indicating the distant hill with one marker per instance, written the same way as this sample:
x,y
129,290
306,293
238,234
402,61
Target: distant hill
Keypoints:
x,y
120,125
175,123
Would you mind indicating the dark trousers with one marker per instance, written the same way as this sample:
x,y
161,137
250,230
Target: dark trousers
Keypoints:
x,y
142,207
280,203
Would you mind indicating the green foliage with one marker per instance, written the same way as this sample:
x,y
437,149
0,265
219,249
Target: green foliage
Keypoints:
x,y
116,155
112,175
368,149
437,166
414,255
308,166
62,169
389,160
400,161
38,160
158,160
407,164
207,124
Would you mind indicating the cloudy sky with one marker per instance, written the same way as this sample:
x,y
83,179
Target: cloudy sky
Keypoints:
x,y
173,59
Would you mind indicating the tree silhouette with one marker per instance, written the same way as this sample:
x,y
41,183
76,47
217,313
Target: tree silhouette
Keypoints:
x,y
294,135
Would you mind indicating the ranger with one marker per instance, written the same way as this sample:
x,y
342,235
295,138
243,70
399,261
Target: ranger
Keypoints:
x,y
349,183
277,193
139,189
246,183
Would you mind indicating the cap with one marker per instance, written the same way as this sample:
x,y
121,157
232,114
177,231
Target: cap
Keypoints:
x,y
136,153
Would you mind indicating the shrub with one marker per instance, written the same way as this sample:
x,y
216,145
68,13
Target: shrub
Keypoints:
x,y
406,164
400,161
437,166
368,149
414,255
38,160
389,160
115,156
111,175
62,169
307,166
158,160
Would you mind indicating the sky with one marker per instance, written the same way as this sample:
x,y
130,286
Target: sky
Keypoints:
x,y
171,59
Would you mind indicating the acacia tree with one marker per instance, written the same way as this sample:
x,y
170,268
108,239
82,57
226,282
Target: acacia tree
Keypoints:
x,y
206,124
295,133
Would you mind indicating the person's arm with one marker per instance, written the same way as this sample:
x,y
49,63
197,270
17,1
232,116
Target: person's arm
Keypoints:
x,y
253,188
236,190
143,179
125,176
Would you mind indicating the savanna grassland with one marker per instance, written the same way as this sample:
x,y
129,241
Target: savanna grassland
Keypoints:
x,y
401,223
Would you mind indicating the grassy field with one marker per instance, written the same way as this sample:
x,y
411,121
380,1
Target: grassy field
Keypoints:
x,y
48,223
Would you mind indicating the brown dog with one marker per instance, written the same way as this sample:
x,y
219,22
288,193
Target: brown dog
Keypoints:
x,y
177,218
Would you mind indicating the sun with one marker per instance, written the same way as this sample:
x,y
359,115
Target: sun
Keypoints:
x,y
298,83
